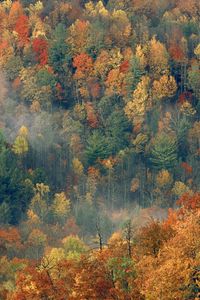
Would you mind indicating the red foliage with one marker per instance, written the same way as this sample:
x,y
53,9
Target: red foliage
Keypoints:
x,y
186,96
40,48
124,67
186,167
22,28
176,53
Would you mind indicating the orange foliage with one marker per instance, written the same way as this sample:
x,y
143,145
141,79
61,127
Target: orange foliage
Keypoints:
x,y
93,172
10,238
94,88
151,237
22,28
91,115
15,12
190,202
16,83
186,167
83,64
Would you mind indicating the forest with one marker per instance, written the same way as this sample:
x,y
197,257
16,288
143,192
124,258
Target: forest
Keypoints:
x,y
100,150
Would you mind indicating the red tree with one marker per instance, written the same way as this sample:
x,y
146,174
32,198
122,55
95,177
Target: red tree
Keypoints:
x,y
40,48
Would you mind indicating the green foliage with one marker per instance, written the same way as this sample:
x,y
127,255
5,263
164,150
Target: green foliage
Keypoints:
x,y
73,246
45,78
118,131
58,51
15,195
97,147
122,268
13,67
163,152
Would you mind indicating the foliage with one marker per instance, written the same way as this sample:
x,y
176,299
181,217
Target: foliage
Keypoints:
x,y
99,105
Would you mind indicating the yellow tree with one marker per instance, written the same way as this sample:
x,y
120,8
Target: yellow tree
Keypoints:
x,y
60,207
140,103
78,36
20,146
39,203
114,82
157,58
164,87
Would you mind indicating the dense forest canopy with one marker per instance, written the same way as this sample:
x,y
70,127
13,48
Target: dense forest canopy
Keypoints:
x,y
99,130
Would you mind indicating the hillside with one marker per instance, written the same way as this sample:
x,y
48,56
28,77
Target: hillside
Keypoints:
x,y
99,149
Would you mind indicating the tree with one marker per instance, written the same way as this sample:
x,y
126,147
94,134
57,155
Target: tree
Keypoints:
x,y
22,29
163,152
157,58
118,131
165,87
97,147
40,48
73,247
15,12
78,36
60,207
136,108
58,50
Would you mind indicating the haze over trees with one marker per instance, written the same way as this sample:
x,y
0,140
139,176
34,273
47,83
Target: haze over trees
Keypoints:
x,y
99,130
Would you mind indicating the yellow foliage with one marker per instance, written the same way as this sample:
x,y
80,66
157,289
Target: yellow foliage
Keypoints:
x,y
33,217
115,239
157,57
180,188
79,36
163,178
23,131
20,145
6,53
106,61
197,51
6,4
35,106
141,54
36,8
61,205
141,101
39,28
54,256
164,87
187,109
89,198
114,82
42,188
77,166
95,10
135,184
37,237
